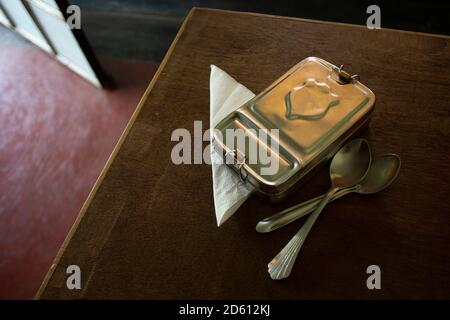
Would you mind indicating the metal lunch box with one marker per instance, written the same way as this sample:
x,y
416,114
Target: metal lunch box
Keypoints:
x,y
316,107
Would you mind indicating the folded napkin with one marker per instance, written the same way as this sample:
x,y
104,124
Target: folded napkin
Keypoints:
x,y
226,95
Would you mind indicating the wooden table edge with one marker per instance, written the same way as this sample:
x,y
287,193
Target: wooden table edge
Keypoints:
x,y
141,103
256,14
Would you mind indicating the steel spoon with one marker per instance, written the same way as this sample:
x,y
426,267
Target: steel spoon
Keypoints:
x,y
348,167
383,171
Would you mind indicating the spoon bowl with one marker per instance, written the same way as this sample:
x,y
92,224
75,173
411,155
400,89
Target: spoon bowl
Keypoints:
x,y
383,171
350,165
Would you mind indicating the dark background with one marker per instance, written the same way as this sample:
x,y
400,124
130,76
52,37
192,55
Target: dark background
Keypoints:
x,y
143,29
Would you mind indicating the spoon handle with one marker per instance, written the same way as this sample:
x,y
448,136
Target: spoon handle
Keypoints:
x,y
281,266
293,213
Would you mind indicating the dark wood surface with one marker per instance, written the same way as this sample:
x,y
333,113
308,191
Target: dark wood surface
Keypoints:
x,y
148,228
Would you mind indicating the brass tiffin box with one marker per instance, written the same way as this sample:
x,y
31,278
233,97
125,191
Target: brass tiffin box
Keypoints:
x,y
275,140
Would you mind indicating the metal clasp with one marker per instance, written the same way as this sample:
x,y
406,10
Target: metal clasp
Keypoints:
x,y
344,76
236,163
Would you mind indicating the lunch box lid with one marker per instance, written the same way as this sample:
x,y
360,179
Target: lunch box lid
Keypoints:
x,y
300,120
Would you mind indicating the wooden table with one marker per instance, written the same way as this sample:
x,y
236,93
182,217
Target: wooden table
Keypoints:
x,y
148,228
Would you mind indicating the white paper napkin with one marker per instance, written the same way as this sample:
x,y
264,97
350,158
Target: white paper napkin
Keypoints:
x,y
226,95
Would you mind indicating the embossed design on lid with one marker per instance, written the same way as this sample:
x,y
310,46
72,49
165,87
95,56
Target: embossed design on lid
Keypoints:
x,y
309,101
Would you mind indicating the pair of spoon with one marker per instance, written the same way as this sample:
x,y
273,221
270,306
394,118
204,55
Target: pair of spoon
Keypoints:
x,y
351,170
383,171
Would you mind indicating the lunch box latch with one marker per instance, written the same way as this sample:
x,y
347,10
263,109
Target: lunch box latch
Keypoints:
x,y
344,76
236,160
